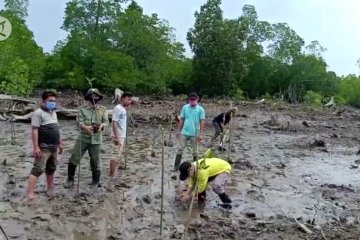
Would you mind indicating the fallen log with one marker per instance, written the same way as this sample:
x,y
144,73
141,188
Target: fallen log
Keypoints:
x,y
2,118
72,114
4,97
21,118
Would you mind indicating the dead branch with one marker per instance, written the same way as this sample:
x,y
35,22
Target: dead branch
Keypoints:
x,y
4,97
303,227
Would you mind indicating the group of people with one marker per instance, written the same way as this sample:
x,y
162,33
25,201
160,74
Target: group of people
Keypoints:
x,y
208,168
92,120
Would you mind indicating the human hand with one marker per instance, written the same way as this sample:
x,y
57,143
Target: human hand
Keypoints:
x,y
88,129
184,197
61,148
116,141
37,153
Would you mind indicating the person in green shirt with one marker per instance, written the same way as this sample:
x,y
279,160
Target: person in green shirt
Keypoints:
x,y
92,119
213,170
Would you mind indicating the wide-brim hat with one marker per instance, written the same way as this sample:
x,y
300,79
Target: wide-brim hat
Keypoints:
x,y
93,91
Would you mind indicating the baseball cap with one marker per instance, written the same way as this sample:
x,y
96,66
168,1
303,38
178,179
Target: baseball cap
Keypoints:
x,y
184,170
193,95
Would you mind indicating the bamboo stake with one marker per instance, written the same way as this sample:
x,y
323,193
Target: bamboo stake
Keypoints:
x,y
13,139
196,185
153,154
126,147
230,136
78,182
170,142
162,181
2,230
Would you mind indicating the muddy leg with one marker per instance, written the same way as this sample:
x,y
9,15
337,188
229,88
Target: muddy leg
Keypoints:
x,y
94,153
50,169
179,153
74,160
30,195
218,131
36,171
219,187
116,158
194,147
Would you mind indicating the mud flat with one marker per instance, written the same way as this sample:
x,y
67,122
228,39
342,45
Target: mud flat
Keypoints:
x,y
290,162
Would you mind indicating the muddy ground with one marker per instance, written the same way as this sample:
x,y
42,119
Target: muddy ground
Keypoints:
x,y
289,162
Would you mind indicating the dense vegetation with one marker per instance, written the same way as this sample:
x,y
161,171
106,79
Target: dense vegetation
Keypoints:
x,y
114,43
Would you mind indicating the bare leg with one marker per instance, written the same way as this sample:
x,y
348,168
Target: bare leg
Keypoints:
x,y
50,182
31,187
113,167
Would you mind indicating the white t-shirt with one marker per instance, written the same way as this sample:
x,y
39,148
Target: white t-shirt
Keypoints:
x,y
119,116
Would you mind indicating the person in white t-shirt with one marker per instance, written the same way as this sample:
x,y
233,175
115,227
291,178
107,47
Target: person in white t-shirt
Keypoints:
x,y
118,130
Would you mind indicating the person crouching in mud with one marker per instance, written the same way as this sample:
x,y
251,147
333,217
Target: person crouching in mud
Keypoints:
x,y
213,170
92,119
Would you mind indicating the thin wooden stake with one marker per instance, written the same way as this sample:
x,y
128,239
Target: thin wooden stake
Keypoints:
x,y
13,138
162,181
78,182
230,136
2,230
196,186
126,148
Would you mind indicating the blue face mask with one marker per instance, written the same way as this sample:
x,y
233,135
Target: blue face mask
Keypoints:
x,y
50,105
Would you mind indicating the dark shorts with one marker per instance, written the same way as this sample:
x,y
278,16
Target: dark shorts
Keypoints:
x,y
47,163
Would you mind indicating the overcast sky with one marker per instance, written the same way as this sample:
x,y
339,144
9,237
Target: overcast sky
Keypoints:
x,y
332,22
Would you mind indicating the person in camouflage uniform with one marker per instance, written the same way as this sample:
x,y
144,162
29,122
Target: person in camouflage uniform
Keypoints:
x,y
92,119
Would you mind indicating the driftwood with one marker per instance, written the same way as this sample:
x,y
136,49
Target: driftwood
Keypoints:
x,y
302,227
119,92
72,114
17,109
4,97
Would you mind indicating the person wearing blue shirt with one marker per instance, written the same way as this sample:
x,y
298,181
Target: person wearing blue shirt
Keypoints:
x,y
191,127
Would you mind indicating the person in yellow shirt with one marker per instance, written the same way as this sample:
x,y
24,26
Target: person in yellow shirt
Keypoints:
x,y
213,170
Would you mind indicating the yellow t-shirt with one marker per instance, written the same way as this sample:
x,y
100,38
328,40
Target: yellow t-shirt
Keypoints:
x,y
208,168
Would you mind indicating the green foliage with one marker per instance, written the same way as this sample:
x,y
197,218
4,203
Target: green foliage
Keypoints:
x,y
114,44
340,100
17,79
119,47
21,59
349,90
313,98
267,96
17,7
239,95
215,42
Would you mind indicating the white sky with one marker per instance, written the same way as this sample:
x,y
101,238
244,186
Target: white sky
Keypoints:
x,y
332,22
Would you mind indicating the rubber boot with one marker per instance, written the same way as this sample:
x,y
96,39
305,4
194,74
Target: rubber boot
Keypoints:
x,y
224,198
96,178
71,175
177,162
